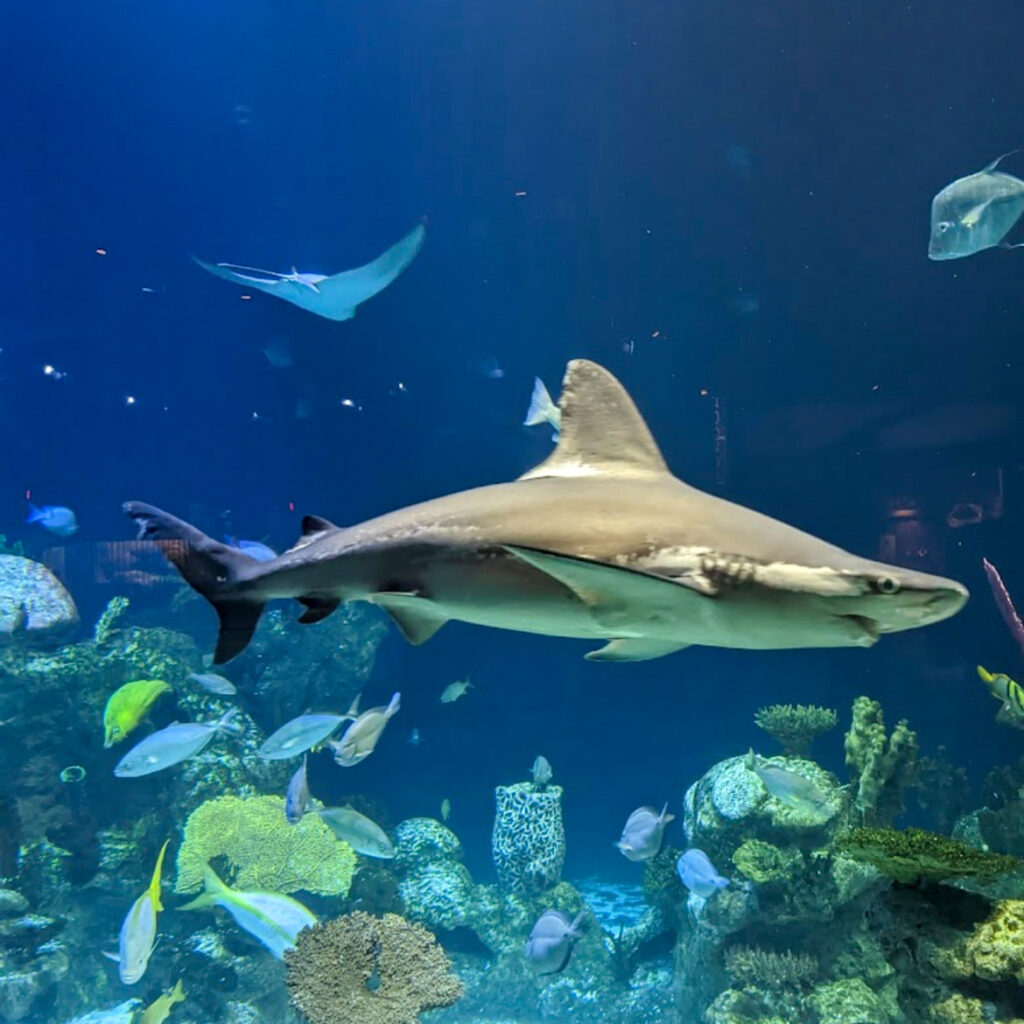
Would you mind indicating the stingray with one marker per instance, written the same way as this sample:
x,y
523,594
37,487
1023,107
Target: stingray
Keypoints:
x,y
334,297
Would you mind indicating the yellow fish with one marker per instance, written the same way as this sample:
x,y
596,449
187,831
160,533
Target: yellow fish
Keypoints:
x,y
1003,688
138,930
127,706
159,1010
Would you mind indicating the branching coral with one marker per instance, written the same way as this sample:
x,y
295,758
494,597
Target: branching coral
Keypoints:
x,y
795,726
881,767
909,854
264,851
361,969
752,965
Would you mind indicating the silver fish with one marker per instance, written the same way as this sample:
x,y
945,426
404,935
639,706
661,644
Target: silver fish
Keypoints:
x,y
453,691
137,938
975,213
362,834
550,943
213,683
171,745
600,541
299,735
698,874
362,735
643,832
541,770
788,787
296,799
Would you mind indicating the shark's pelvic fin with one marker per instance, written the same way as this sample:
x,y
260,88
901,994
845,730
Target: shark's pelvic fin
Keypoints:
x,y
601,431
317,608
416,617
634,649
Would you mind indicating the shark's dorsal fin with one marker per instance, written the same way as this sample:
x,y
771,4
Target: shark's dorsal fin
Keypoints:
x,y
601,431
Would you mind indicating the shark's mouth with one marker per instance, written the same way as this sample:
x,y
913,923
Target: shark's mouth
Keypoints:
x,y
868,629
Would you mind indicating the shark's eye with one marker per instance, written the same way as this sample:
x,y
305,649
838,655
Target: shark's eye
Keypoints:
x,y
887,585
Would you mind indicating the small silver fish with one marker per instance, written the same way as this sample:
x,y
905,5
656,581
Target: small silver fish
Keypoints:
x,y
296,799
975,213
643,832
541,770
171,745
362,735
550,943
446,809
361,833
213,683
543,410
453,691
698,874
301,734
414,738
788,787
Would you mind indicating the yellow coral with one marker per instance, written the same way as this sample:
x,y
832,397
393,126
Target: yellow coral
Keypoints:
x,y
995,950
958,1009
263,851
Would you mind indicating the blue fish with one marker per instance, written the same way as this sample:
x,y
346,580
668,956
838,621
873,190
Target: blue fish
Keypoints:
x,y
252,548
698,874
56,518
414,738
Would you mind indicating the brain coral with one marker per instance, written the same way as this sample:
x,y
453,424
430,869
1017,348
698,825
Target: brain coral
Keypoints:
x,y
262,850
528,842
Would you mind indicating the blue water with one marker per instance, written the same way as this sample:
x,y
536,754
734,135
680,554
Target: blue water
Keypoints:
x,y
722,202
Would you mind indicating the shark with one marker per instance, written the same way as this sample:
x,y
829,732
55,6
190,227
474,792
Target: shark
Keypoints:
x,y
334,297
600,541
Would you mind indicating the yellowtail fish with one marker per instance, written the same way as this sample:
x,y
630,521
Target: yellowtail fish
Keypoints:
x,y
138,932
1003,688
127,706
271,917
159,1010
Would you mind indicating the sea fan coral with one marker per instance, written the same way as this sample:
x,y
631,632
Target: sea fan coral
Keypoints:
x,y
262,850
361,969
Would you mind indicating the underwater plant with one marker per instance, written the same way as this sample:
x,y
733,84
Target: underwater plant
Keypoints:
x,y
907,855
262,849
795,726
361,969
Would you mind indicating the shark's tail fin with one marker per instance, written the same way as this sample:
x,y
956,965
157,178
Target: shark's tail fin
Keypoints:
x,y
209,567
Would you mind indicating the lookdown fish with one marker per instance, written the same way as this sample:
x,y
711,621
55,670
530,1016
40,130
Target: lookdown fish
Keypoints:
x,y
541,771
138,931
57,519
698,874
600,541
550,943
453,691
1004,689
302,734
543,410
788,787
127,706
271,917
171,745
643,832
211,682
296,799
362,834
975,213
159,1010
362,735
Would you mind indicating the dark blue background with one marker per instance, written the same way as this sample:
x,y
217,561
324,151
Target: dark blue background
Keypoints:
x,y
676,157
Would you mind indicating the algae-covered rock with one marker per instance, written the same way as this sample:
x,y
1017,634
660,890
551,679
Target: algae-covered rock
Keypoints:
x,y
762,862
848,1001
33,603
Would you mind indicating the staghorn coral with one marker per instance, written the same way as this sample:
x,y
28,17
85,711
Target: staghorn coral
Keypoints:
x,y
881,766
753,965
910,854
795,726
264,852
361,969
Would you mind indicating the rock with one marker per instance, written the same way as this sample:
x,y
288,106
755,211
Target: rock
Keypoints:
x,y
848,1001
123,1013
33,602
12,902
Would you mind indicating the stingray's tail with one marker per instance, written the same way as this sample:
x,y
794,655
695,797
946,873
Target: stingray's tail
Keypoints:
x,y
211,568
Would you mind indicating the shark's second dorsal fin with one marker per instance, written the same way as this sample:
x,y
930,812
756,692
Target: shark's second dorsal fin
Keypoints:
x,y
601,431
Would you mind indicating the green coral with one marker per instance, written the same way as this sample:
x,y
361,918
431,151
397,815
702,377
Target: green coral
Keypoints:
x,y
762,862
105,627
881,766
910,854
847,1001
263,851
795,726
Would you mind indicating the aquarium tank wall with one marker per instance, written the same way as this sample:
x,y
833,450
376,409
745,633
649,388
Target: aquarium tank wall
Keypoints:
x,y
509,513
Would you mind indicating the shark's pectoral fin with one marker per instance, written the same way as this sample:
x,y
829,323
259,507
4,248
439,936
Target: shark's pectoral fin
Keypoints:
x,y
618,598
416,617
634,649
317,608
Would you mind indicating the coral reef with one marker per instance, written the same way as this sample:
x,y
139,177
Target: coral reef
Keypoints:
x,y
881,766
361,969
795,726
435,887
911,854
528,841
994,951
763,862
751,965
262,849
34,604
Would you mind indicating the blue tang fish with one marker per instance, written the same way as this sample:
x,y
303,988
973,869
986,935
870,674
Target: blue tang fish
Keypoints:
x,y
56,518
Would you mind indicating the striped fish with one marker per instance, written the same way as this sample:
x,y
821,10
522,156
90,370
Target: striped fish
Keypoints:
x,y
1003,688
